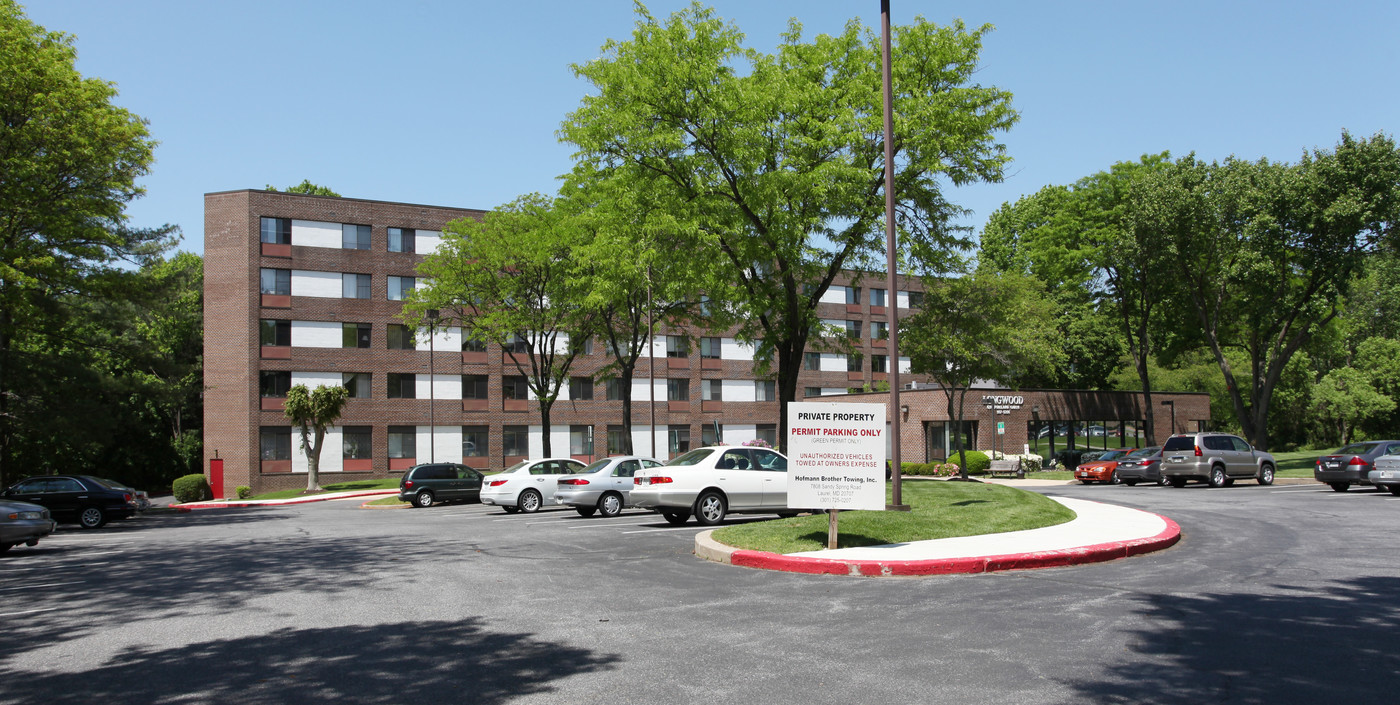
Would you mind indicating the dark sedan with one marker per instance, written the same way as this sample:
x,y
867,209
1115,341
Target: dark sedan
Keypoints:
x,y
22,523
1352,464
1144,465
81,499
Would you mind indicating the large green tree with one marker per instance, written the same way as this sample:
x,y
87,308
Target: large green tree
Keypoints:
x,y
1265,252
69,161
985,326
514,279
776,161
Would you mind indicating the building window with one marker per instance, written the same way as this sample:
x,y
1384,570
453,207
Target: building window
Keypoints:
x,y
677,390
514,388
916,299
274,384
400,287
879,363
277,231
581,388
354,286
403,386
516,343
354,237
275,333
469,345
276,282
811,391
677,346
583,347
711,434
853,363
767,432
877,297
853,295
403,441
356,442
474,386
812,361
612,389
516,440
710,348
617,440
275,443
354,335
711,390
852,329
855,390
879,330
400,337
474,441
678,439
400,239
580,440
764,390
356,383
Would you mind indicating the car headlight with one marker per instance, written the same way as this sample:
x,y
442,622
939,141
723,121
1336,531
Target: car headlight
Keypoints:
x,y
26,515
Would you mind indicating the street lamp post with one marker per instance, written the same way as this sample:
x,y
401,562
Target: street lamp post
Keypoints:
x,y
891,285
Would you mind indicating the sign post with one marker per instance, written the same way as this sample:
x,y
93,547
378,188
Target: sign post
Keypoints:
x,y
836,453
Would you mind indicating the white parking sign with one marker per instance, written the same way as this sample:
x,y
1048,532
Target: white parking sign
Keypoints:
x,y
836,455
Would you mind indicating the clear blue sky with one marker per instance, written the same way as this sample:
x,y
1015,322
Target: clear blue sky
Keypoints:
x,y
456,103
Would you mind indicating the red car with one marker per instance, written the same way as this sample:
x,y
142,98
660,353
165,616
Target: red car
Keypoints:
x,y
1104,469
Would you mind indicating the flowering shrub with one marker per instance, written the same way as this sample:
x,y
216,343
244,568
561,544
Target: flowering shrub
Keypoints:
x,y
945,469
758,443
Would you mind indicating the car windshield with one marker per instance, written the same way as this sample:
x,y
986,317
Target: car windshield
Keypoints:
x,y
596,465
1357,449
1143,452
691,458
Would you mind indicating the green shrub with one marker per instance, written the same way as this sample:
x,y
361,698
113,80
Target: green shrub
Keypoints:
x,y
244,491
977,462
191,488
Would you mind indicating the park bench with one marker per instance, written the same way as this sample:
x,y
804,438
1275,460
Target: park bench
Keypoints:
x,y
1009,468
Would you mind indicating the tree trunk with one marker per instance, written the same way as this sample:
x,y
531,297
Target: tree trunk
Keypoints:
x,y
789,367
625,384
545,408
313,462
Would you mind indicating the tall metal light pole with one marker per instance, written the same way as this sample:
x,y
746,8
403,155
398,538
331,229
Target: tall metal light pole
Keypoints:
x,y
891,285
432,315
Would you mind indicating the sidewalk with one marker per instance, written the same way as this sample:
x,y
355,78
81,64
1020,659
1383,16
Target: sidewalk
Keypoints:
x,y
1099,532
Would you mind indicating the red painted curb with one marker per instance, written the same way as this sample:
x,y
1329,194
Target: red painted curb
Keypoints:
x,y
280,503
1079,555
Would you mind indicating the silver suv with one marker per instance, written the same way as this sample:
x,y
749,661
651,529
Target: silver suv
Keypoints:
x,y
1218,459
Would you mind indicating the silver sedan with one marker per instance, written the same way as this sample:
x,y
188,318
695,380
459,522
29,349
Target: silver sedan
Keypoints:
x,y
604,486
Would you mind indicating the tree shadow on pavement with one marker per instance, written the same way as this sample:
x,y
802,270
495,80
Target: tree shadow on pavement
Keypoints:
x,y
1304,646
420,662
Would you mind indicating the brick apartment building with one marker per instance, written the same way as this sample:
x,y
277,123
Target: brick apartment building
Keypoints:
x,y
307,290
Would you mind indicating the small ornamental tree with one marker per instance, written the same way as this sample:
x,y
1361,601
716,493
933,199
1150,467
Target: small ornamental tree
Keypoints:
x,y
312,410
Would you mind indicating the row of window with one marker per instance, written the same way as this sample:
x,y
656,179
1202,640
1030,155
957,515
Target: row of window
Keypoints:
x,y
278,231
854,362
275,442
275,384
878,297
278,282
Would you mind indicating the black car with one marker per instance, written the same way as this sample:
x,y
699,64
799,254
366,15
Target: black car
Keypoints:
x,y
439,482
82,499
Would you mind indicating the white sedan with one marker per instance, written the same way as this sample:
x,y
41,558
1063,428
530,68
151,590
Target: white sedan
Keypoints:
x,y
713,482
526,485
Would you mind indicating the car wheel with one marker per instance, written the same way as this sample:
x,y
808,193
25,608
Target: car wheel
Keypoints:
x,y
710,509
511,510
1114,479
1178,482
1161,480
1394,489
610,505
92,518
1340,486
423,499
676,518
1130,483
1266,474
585,511
1217,477
529,501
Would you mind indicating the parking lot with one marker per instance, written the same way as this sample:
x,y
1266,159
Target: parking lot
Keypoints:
x,y
1284,594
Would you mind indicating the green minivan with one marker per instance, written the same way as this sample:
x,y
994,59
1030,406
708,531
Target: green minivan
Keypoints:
x,y
439,482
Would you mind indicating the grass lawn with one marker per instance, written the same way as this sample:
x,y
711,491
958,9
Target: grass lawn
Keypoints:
x,y
388,483
392,501
1298,463
940,510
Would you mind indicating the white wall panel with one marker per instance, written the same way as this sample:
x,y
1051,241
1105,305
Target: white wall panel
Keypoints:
x,y
326,285
442,386
738,390
558,438
449,339
833,390
904,365
832,362
317,379
639,389
317,334
902,299
311,233
834,295
332,452
563,393
731,349
737,433
426,242
642,438
444,446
